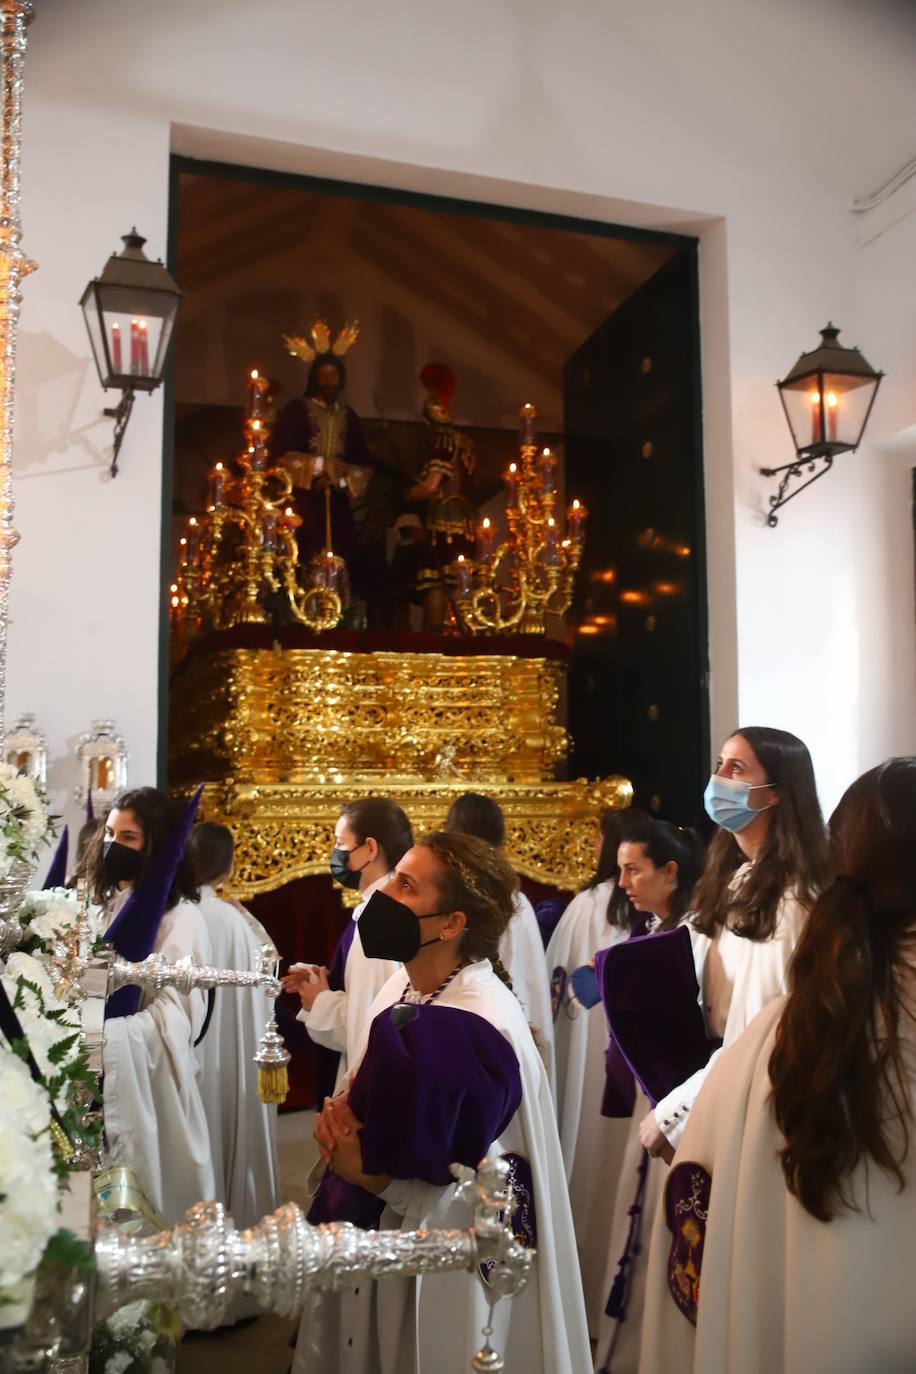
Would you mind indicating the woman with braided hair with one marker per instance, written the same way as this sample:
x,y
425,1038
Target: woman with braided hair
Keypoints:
x,y
790,1209
447,1071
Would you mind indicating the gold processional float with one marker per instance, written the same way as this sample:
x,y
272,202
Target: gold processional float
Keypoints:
x,y
283,734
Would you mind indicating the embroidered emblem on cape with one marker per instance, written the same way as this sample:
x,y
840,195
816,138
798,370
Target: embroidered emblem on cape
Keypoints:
x,y
557,989
524,1218
686,1209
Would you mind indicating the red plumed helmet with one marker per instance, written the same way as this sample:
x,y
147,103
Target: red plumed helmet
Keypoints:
x,y
439,380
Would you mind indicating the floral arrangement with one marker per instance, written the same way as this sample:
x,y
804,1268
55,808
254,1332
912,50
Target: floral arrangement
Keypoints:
x,y
28,1185
53,915
26,825
137,1339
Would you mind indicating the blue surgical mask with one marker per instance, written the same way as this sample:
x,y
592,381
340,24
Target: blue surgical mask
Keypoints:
x,y
728,803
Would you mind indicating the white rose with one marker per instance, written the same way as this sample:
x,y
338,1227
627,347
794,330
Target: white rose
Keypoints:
x,y
118,1362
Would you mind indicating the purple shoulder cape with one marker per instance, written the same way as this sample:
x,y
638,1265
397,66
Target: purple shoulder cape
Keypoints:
x,y
650,995
432,1090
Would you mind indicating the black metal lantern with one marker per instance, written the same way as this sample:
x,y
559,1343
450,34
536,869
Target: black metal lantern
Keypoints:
x,y
130,313
827,399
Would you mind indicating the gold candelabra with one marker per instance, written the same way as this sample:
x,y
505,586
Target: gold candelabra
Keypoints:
x,y
238,560
515,585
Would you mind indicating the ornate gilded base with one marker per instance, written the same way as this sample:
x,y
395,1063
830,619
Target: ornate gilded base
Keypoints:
x,y
284,737
285,832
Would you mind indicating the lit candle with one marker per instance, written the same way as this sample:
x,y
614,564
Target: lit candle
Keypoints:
x,y
528,414
550,541
269,528
217,485
817,433
134,347
484,537
257,390
332,571
548,463
833,410
576,515
463,574
193,537
116,348
143,345
511,480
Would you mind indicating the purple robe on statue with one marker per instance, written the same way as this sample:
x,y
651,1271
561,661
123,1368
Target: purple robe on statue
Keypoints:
x,y
296,431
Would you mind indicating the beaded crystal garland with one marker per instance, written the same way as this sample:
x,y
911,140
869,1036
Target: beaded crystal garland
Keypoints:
x,y
15,16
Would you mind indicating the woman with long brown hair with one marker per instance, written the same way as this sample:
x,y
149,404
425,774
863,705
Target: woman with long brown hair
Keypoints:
x,y
792,1205
447,1072
764,868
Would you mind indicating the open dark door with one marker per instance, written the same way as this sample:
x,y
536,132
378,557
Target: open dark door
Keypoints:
x,y
638,692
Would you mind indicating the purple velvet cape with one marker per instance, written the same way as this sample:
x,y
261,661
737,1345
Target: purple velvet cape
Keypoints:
x,y
134,930
57,873
650,994
437,1091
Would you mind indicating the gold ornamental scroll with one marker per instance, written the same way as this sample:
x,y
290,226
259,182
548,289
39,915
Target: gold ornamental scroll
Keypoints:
x,y
282,739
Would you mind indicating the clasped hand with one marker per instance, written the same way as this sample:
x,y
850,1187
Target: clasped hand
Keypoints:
x,y
307,980
336,1133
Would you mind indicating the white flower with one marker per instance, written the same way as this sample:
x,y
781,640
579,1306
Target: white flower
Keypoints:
x,y
53,914
118,1362
127,1318
28,1185
41,1032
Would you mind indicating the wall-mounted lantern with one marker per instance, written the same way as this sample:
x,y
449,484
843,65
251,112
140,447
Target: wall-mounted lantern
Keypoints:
x,y
827,398
130,313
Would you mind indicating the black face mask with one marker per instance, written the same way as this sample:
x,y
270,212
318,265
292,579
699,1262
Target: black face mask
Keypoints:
x,y
389,929
340,866
119,863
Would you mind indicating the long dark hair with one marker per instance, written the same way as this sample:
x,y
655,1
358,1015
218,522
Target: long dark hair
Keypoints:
x,y
793,856
474,814
664,843
382,820
841,1084
475,878
157,816
620,911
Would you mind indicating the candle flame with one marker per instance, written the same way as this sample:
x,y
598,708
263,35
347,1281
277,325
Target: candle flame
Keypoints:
x,y
546,453
254,374
116,326
566,543
251,448
211,509
219,467
174,587
576,505
461,558
174,600
256,424
815,398
288,511
182,540
141,324
550,521
330,554
513,467
486,522
831,399
193,520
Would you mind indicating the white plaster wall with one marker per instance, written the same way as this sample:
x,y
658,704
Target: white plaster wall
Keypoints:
x,y
694,117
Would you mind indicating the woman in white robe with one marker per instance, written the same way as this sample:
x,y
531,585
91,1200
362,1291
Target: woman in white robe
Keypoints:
x,y
521,948
154,1117
765,866
243,1130
792,1201
370,836
592,1144
462,1079
659,865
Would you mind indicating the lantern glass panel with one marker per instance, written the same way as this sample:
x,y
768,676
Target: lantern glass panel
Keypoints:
x,y
828,408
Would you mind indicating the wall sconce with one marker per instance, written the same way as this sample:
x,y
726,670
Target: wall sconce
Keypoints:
x,y
26,748
827,398
130,313
102,758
